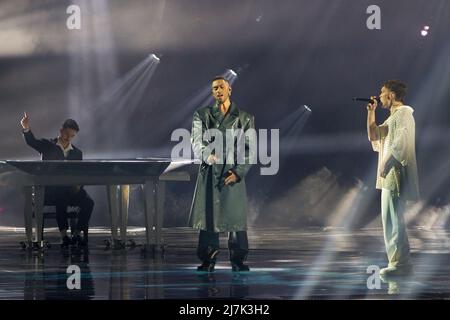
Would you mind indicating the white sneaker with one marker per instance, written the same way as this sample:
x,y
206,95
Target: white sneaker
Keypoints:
x,y
387,270
397,271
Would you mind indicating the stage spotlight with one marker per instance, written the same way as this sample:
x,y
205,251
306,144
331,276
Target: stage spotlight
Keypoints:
x,y
307,108
230,75
426,28
234,74
154,57
202,97
424,33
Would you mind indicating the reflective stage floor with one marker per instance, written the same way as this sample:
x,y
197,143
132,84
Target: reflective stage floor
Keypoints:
x,y
285,264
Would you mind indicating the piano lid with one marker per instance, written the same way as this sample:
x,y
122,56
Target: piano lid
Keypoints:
x,y
98,167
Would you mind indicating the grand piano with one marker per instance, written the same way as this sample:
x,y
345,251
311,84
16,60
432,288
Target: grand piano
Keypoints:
x,y
116,175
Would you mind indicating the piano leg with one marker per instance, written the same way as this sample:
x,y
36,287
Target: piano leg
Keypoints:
x,y
28,215
150,208
113,203
39,192
160,196
124,204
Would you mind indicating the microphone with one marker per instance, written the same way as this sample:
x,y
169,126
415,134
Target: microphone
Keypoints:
x,y
366,99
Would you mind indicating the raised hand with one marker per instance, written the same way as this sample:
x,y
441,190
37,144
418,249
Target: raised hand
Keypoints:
x,y
25,122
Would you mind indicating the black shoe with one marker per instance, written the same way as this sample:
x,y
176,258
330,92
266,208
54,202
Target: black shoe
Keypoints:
x,y
66,242
80,241
76,239
83,242
210,261
206,267
239,267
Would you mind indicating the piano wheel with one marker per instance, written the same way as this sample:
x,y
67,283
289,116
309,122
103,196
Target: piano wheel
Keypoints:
x,y
148,249
24,244
132,243
36,246
107,243
118,244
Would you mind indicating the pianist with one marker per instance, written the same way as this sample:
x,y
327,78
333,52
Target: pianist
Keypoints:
x,y
61,148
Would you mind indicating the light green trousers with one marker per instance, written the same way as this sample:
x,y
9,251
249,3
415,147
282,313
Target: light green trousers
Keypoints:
x,y
394,229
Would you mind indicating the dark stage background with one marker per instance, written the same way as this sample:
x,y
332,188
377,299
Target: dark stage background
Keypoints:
x,y
287,54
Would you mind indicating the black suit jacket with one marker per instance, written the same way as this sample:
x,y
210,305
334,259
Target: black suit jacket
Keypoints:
x,y
49,150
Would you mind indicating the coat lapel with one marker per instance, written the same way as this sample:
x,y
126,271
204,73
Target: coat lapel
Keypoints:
x,y
216,115
221,121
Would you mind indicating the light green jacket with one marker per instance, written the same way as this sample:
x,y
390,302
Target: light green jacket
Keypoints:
x,y
400,143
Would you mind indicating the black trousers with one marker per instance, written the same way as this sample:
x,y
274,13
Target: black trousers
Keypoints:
x,y
237,245
209,240
62,197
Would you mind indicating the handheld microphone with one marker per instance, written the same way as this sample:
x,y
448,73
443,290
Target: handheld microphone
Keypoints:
x,y
366,99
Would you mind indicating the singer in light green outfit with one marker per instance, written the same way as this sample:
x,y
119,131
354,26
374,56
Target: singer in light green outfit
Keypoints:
x,y
397,177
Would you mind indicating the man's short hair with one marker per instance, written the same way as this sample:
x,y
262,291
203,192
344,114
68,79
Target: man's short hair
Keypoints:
x,y
71,124
221,78
398,87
